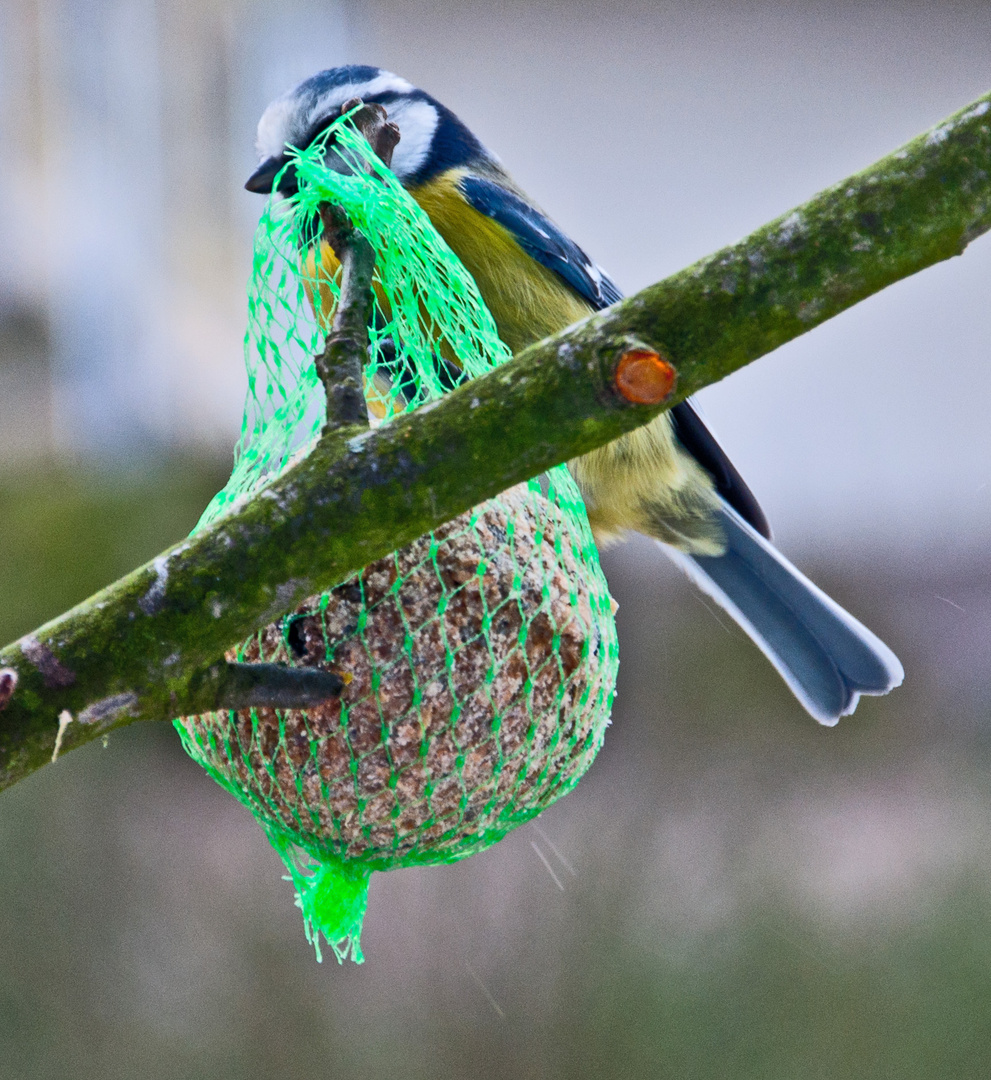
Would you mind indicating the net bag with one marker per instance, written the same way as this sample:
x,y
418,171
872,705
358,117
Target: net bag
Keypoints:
x,y
479,662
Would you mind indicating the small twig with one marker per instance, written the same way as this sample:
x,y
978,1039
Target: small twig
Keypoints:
x,y
342,361
243,686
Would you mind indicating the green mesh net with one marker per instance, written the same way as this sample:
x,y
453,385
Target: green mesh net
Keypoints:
x,y
480,661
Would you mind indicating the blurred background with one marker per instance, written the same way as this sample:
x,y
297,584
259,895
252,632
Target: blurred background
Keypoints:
x,y
733,891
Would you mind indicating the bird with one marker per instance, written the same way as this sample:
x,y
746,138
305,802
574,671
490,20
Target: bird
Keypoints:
x,y
670,479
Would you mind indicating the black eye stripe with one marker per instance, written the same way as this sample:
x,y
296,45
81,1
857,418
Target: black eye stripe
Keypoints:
x,y
320,127
385,98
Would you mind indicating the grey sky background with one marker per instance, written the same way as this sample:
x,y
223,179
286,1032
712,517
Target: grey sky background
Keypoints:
x,y
654,132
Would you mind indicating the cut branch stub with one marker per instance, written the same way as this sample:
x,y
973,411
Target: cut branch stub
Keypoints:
x,y
644,377
372,121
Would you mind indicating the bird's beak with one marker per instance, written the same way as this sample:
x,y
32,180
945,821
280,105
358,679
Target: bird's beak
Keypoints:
x,y
261,180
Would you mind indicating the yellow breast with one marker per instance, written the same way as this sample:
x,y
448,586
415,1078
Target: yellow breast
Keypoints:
x,y
642,481
527,300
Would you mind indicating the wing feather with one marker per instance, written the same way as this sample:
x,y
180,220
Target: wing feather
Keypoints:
x,y
543,241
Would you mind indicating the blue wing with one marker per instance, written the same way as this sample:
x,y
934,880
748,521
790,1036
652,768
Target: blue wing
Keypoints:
x,y
542,240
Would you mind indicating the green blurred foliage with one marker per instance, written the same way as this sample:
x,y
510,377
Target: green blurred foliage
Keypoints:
x,y
753,896
64,533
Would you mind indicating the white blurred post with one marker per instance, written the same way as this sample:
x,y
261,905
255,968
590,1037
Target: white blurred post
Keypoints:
x,y
127,133
101,80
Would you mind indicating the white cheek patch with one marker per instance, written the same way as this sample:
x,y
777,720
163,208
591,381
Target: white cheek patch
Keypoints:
x,y
417,122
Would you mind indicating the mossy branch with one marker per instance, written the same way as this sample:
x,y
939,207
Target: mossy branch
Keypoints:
x,y
138,649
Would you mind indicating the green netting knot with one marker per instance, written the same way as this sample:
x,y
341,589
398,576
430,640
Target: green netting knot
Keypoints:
x,y
331,893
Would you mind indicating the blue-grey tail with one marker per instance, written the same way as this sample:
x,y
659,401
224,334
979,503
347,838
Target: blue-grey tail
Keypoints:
x,y
824,654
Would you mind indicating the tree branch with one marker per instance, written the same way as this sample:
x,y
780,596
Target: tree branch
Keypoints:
x,y
134,651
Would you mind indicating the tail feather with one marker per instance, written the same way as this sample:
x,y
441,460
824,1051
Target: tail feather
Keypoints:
x,y
824,654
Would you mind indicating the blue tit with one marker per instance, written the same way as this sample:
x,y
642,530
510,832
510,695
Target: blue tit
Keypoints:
x,y
670,479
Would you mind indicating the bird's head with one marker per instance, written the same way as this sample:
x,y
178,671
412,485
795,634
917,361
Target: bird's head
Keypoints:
x,y
432,138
